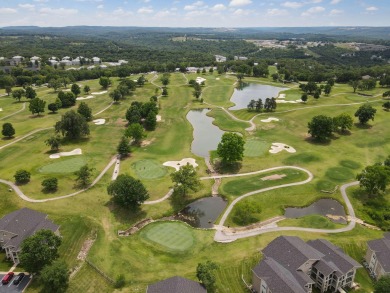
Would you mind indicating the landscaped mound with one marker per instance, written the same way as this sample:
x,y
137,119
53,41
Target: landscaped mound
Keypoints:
x,y
170,236
148,169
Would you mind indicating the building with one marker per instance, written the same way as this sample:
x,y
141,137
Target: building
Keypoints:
x,y
241,58
378,256
176,285
291,265
96,60
17,226
16,60
220,58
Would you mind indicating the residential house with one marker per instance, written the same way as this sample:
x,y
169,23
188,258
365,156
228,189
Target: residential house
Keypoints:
x,y
220,58
17,226
242,58
16,60
96,60
176,285
378,256
291,265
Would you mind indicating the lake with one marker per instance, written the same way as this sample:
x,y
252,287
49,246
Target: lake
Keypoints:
x,y
253,91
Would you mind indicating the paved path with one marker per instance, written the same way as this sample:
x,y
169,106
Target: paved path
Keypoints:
x,y
220,236
23,137
112,103
14,113
115,173
168,195
26,198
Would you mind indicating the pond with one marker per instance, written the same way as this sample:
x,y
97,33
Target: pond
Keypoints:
x,y
253,91
321,207
203,212
206,134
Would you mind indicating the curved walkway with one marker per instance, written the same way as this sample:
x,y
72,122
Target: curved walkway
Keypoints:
x,y
221,236
23,137
168,195
14,113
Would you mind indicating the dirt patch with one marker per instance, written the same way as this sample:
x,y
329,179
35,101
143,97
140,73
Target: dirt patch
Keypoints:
x,y
147,142
85,249
274,177
121,122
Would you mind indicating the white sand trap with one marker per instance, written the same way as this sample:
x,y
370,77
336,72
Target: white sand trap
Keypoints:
x,y
85,98
99,121
158,118
1,109
178,164
217,78
286,102
270,119
66,154
99,93
200,79
281,96
278,147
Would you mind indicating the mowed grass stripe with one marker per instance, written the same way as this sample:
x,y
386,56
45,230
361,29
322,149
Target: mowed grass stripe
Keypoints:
x,y
255,148
149,169
64,166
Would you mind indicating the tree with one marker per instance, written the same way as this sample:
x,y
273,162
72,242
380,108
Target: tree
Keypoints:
x,y
72,125
50,184
327,89
55,277
8,130
67,99
197,91
374,179
321,127
275,76
354,84
127,191
259,105
22,176
316,95
164,80
164,92
37,106
185,179
54,84
135,131
246,213
205,272
231,148
116,95
304,98
85,111
8,90
84,175
18,94
382,285
75,89
240,76
141,81
364,113
343,121
133,114
123,147
58,103
151,121
386,105
105,82
87,89
53,107
53,142
386,94
251,105
39,250
30,93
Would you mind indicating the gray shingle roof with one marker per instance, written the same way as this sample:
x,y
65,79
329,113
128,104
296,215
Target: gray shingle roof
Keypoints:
x,y
278,278
176,285
334,256
24,223
382,251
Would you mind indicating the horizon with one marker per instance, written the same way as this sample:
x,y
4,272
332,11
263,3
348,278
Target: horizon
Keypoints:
x,y
190,14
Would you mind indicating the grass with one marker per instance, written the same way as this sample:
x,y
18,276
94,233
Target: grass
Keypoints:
x,y
64,166
255,148
149,169
225,122
310,221
340,174
89,281
171,236
350,164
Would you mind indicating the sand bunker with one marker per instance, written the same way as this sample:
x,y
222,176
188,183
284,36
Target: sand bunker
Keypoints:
x,y
286,102
99,121
99,93
273,177
270,119
278,147
1,109
66,154
84,98
281,96
178,164
217,78
158,118
200,79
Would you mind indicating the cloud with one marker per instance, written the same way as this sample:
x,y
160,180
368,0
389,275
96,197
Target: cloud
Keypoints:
x,y
289,4
335,2
145,10
241,12
146,1
334,12
218,7
194,5
164,13
313,10
58,11
372,8
121,12
41,1
313,1
276,12
234,3
27,6
7,10
101,6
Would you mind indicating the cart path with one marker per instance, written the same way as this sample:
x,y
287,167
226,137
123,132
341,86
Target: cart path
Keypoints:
x,y
24,136
221,236
14,113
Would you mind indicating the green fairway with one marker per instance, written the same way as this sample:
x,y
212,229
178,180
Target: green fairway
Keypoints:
x,y
340,174
172,236
87,280
149,169
64,166
255,148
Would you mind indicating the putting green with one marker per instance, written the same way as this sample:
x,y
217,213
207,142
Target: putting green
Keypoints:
x,y
255,148
149,169
172,236
64,165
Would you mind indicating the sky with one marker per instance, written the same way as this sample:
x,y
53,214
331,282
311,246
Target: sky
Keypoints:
x,y
185,13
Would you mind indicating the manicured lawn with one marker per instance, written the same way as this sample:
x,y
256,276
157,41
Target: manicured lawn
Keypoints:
x,y
225,122
64,165
89,281
149,169
256,148
310,221
170,236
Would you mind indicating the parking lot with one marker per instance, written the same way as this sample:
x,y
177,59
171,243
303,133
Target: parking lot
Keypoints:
x,y
11,288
